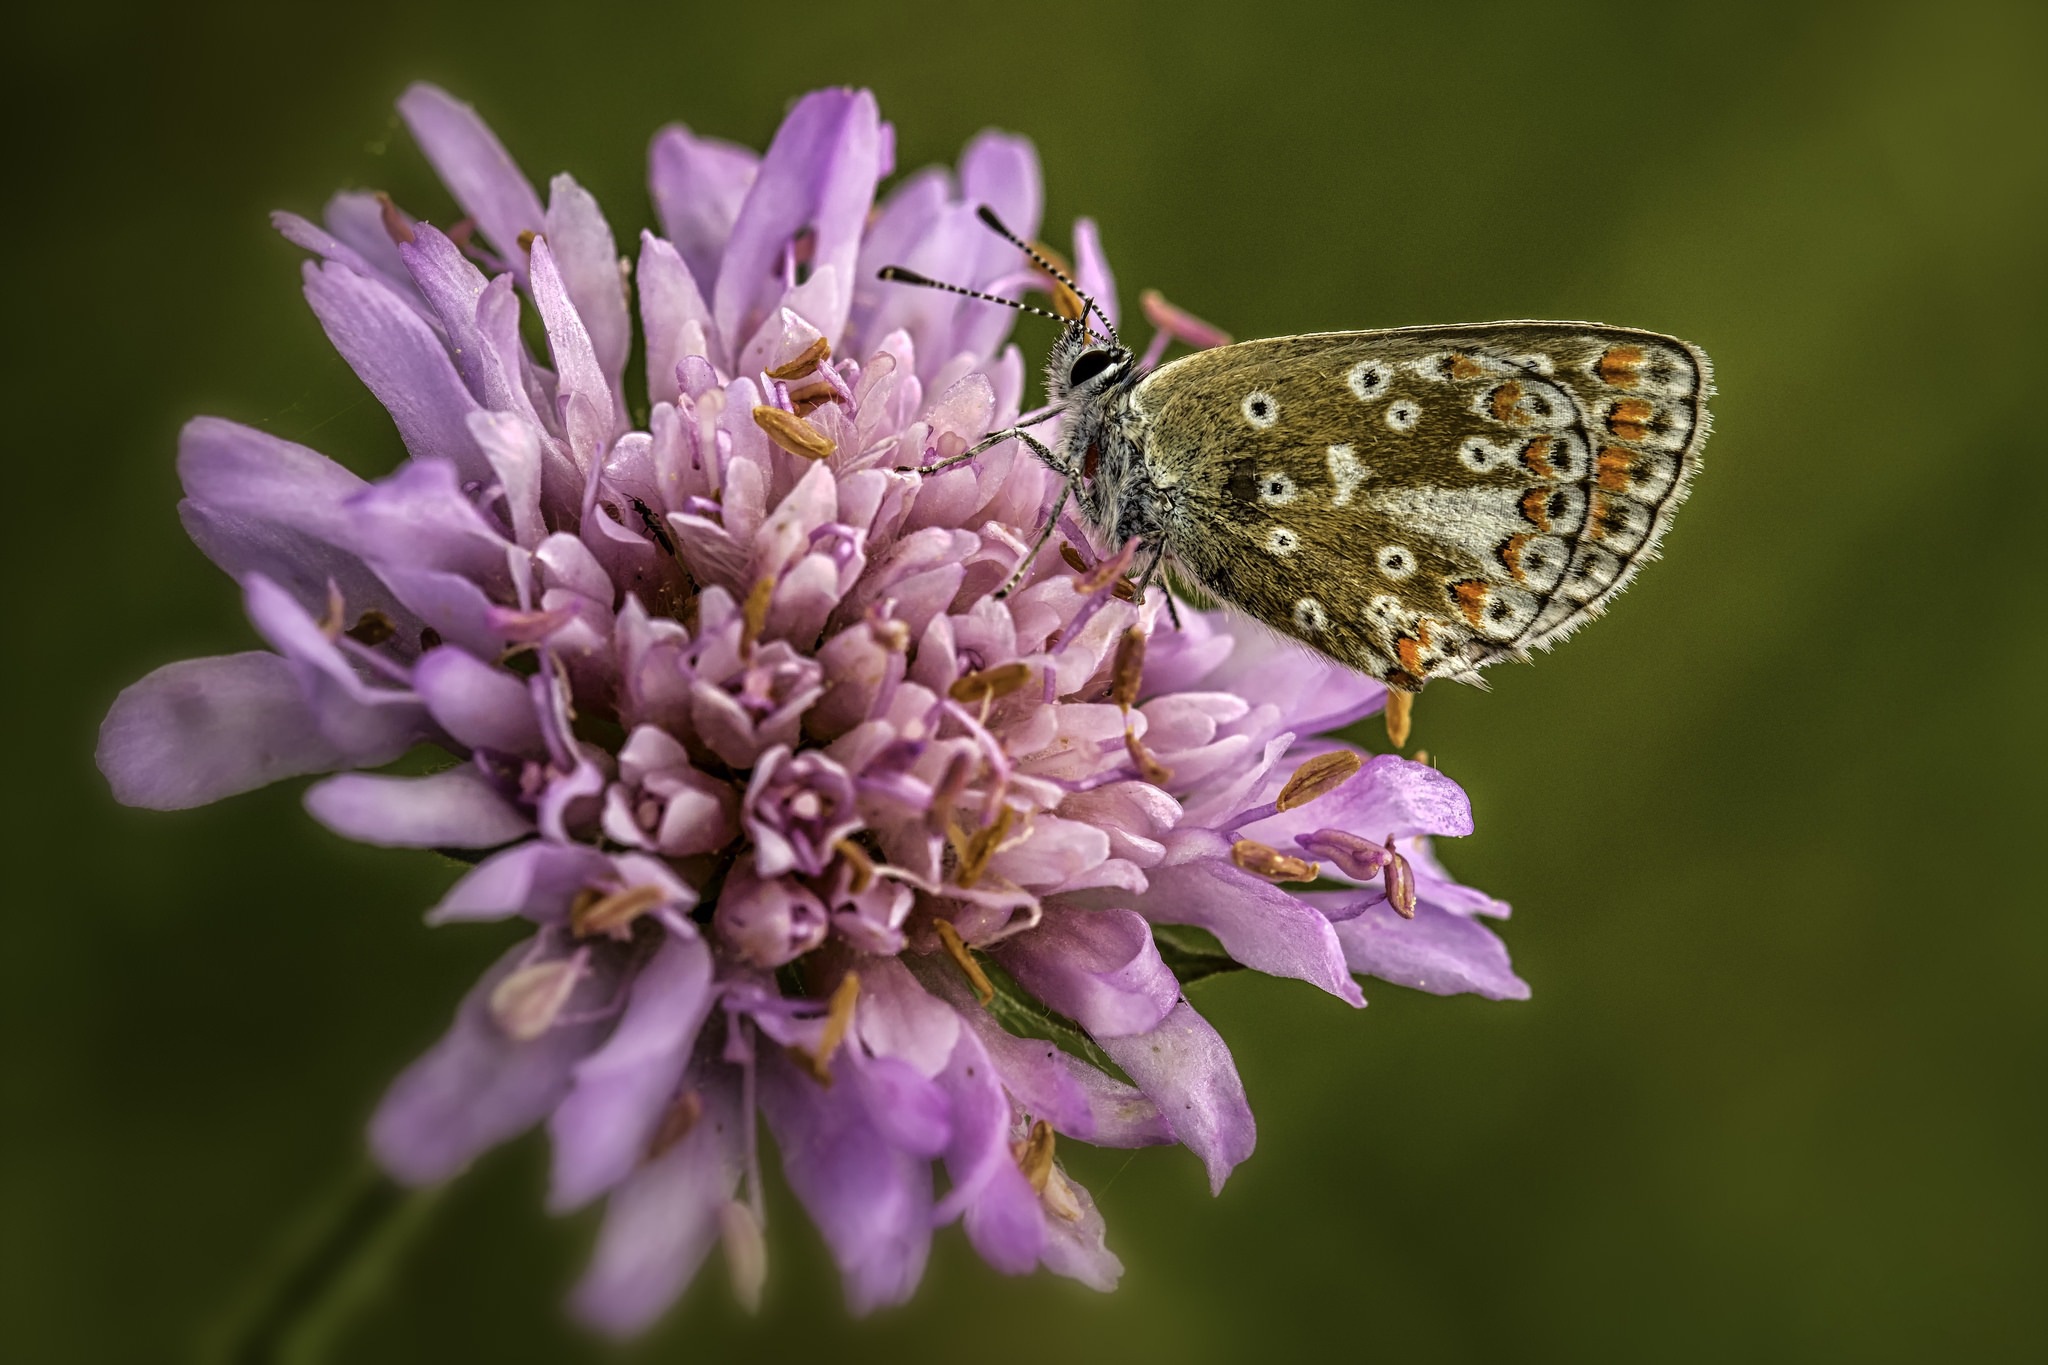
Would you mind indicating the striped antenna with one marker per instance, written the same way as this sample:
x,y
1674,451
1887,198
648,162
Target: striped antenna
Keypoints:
x,y
995,225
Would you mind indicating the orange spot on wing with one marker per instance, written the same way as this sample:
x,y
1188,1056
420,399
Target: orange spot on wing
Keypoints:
x,y
1613,470
1465,367
1471,600
1506,402
1619,366
1535,506
1511,555
1408,650
1630,419
1536,455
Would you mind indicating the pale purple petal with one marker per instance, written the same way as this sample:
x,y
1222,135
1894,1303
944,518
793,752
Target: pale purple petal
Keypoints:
x,y
820,173
1389,795
474,166
1098,967
473,1089
871,1200
661,1222
1001,1209
452,809
1185,1068
482,706
201,729
588,257
538,879
699,184
1258,923
602,1129
401,361
1437,951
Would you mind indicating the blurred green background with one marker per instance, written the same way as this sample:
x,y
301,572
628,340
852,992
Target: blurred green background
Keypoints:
x,y
1770,830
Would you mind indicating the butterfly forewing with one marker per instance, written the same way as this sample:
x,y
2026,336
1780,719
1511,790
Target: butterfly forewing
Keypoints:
x,y
1421,502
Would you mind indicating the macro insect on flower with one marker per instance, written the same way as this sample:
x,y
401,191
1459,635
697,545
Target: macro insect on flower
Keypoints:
x,y
814,840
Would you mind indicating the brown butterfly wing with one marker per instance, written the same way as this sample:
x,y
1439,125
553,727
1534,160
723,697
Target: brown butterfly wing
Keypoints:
x,y
1421,502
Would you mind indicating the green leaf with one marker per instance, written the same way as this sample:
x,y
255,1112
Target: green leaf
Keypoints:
x,y
1025,1015
1192,954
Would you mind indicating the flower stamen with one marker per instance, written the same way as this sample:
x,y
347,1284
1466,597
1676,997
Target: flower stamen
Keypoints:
x,y
793,433
838,1018
1318,777
676,1122
593,912
1400,710
812,356
956,948
1262,860
1034,1155
985,685
862,866
526,1003
974,850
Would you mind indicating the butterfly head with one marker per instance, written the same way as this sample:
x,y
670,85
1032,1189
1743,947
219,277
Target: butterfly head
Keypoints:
x,y
1083,365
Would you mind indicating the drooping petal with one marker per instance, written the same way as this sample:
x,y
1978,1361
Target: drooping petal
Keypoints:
x,y
1000,1208
202,729
1184,1066
1098,967
870,1199
1437,951
660,1223
475,1088
482,706
1260,925
452,809
538,879
602,1129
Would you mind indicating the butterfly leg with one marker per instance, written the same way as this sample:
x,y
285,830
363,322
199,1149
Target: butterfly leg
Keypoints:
x,y
990,442
1067,477
1145,584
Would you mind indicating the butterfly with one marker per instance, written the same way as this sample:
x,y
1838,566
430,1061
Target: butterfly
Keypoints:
x,y
1415,503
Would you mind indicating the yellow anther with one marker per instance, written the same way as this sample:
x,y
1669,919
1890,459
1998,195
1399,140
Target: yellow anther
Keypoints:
x,y
593,912
989,683
1319,776
1034,1155
838,1018
1262,861
527,237
676,1122
857,859
754,614
793,433
807,360
1065,301
1400,709
1128,671
1149,766
974,850
956,948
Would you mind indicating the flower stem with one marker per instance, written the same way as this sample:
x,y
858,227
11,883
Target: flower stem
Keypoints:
x,y
333,1266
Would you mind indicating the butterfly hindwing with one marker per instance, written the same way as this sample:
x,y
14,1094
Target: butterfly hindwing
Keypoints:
x,y
1421,502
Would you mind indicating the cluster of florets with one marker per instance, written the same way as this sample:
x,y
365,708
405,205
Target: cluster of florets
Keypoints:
x,y
807,822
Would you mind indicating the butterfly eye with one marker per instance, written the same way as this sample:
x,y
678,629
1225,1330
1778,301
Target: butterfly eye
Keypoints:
x,y
1086,366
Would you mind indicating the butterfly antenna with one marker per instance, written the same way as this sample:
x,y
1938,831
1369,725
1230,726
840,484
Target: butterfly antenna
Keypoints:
x,y
995,225
899,275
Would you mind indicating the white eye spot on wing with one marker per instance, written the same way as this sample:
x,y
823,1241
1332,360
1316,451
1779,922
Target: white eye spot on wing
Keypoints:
x,y
1403,416
1395,561
1309,616
1482,456
1260,410
1282,541
1276,489
1346,472
1368,379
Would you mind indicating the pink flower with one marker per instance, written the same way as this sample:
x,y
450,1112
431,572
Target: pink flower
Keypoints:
x,y
738,727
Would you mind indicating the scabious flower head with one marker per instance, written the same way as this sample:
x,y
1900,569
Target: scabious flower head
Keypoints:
x,y
804,820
